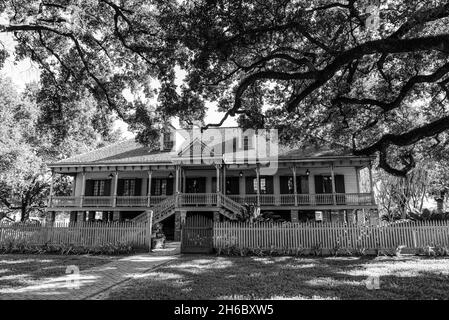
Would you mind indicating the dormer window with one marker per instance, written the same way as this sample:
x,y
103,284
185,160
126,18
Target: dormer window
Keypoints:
x,y
167,142
247,143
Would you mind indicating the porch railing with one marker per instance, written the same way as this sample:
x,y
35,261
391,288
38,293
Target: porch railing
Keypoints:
x,y
92,201
194,199
211,199
125,201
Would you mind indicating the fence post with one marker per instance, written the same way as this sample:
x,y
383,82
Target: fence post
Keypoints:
x,y
150,225
415,244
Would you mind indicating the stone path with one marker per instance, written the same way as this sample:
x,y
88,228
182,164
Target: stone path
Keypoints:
x,y
91,283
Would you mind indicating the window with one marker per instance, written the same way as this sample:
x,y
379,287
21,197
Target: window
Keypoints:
x,y
323,184
247,143
129,187
266,185
98,188
288,187
161,187
168,143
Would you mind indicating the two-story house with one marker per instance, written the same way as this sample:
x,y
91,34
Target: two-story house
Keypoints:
x,y
215,173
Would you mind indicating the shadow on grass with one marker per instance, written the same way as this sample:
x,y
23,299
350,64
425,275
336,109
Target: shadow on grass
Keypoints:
x,y
21,274
208,277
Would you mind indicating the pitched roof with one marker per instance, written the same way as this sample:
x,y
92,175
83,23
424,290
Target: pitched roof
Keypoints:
x,y
131,152
313,152
128,151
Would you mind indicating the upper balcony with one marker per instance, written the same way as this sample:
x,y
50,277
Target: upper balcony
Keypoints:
x,y
302,201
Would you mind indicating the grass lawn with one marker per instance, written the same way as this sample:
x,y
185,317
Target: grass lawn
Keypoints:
x,y
20,270
209,277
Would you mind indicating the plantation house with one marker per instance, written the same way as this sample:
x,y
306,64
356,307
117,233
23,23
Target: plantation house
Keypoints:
x,y
215,173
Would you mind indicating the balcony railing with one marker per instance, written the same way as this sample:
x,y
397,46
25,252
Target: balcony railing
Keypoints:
x,y
211,199
306,199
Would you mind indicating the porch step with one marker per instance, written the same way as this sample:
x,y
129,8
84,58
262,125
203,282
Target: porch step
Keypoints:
x,y
228,214
171,248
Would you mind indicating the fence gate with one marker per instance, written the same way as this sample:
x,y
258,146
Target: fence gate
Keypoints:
x,y
197,234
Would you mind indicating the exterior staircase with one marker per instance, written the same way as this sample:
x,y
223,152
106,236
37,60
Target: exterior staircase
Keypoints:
x,y
161,211
227,207
230,209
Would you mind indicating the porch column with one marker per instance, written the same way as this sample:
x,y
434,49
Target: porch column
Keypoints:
x,y
357,177
183,180
176,179
371,185
333,184
258,185
74,186
177,183
217,168
150,175
114,203
217,184
295,187
180,217
83,188
51,188
223,182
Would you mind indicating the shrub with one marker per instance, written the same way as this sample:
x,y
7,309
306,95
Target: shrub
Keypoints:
x,y
18,246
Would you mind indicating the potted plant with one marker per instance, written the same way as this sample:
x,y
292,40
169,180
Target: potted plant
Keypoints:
x,y
158,237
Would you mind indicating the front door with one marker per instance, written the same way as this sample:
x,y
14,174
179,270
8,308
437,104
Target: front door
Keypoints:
x,y
197,234
196,185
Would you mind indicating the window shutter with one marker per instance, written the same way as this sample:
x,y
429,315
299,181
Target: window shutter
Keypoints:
x,y
269,184
250,185
138,187
319,184
303,184
284,185
153,187
339,183
120,187
89,191
107,188
170,187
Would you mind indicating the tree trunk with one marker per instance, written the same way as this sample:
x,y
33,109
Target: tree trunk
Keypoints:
x,y
23,214
440,205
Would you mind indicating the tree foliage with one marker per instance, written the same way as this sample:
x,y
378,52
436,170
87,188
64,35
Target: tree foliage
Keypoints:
x,y
30,139
309,68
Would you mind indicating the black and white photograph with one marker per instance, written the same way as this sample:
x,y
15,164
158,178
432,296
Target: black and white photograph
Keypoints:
x,y
240,152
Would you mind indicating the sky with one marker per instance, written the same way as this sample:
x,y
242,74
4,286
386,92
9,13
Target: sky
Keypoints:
x,y
26,71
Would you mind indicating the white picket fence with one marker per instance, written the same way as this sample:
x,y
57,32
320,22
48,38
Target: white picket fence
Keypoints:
x,y
87,234
328,236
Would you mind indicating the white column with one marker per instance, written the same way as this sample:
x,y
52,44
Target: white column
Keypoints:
x,y
115,188
258,185
83,187
224,180
217,184
371,185
176,180
276,190
333,183
150,175
183,180
177,184
295,187
51,188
